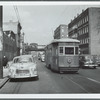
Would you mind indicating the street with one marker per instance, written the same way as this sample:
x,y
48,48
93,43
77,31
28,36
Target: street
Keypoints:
x,y
85,81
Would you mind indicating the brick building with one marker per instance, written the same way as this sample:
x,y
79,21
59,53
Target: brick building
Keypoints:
x,y
61,32
9,44
86,28
16,28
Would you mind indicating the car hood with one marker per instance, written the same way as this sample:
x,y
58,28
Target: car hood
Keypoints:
x,y
23,65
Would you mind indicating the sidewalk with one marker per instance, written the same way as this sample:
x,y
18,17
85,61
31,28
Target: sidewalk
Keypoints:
x,y
5,78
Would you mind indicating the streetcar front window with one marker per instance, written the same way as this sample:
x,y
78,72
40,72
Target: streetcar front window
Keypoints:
x,y
76,50
69,50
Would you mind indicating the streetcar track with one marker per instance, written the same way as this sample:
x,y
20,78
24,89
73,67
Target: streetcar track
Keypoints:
x,y
62,77
78,85
71,78
75,83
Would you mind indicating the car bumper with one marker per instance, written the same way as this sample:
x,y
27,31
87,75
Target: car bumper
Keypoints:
x,y
90,65
23,75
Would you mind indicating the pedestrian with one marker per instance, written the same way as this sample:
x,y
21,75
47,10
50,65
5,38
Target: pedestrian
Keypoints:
x,y
5,60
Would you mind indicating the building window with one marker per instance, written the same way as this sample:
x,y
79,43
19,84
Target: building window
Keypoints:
x,y
85,41
80,41
87,29
87,18
79,32
84,20
82,30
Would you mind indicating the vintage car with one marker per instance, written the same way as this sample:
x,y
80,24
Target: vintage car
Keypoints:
x,y
87,61
42,57
98,60
23,66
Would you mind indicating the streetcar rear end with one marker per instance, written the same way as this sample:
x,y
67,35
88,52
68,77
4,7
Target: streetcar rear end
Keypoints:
x,y
68,57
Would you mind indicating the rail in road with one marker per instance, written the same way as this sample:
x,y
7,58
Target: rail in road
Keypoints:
x,y
85,81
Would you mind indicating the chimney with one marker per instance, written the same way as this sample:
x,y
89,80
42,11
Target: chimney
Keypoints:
x,y
82,10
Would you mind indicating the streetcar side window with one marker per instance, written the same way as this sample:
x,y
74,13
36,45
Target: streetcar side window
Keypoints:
x,y
76,50
69,50
61,50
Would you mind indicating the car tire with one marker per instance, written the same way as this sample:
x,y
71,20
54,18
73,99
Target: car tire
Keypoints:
x,y
82,67
37,77
94,67
12,79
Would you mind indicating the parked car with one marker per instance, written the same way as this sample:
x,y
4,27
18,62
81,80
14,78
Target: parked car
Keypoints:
x,y
87,61
98,60
42,57
23,67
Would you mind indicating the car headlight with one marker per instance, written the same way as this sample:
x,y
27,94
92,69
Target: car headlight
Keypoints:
x,y
33,69
86,63
11,71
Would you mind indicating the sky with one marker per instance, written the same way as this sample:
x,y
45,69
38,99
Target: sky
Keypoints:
x,y
39,21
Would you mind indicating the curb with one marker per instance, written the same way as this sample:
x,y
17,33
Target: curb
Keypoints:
x,y
3,82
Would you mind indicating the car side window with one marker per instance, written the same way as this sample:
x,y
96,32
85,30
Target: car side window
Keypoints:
x,y
16,60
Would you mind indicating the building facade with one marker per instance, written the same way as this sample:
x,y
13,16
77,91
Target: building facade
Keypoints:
x,y
61,32
86,28
9,44
16,28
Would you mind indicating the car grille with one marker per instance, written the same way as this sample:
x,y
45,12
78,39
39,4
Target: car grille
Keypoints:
x,y
22,71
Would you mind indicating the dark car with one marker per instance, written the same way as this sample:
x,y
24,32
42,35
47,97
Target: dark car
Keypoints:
x,y
87,61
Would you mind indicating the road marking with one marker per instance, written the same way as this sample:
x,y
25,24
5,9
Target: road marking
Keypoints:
x,y
78,85
93,80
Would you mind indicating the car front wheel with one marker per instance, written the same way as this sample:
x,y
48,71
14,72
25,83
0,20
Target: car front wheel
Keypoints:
x,y
94,67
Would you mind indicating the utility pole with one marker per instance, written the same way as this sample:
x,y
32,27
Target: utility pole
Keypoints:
x,y
23,48
1,43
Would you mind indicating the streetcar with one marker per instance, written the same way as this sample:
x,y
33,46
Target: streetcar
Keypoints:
x,y
62,55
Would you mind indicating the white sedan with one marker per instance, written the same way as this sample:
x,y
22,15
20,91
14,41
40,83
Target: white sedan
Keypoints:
x,y
23,66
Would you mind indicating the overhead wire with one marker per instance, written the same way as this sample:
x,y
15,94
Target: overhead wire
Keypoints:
x,y
19,19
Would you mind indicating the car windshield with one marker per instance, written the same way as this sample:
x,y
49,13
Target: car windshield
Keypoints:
x,y
23,60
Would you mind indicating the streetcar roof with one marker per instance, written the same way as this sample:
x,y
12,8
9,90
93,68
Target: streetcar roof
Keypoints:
x,y
65,40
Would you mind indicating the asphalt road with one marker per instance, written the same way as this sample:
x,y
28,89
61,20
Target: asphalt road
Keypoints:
x,y
85,81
